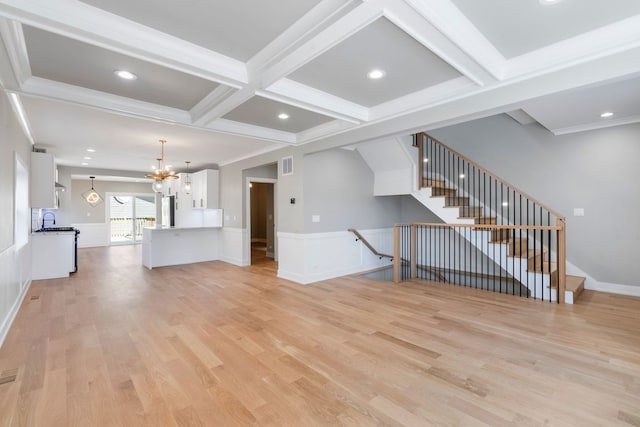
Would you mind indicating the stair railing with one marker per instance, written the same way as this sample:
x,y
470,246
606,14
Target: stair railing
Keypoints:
x,y
490,200
479,256
401,261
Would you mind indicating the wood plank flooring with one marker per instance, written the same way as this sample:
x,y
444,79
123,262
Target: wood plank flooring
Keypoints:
x,y
213,344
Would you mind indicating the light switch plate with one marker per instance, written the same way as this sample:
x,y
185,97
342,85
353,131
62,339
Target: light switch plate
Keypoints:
x,y
315,218
578,211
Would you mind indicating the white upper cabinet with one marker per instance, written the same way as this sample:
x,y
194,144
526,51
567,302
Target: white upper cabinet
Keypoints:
x,y
43,181
205,186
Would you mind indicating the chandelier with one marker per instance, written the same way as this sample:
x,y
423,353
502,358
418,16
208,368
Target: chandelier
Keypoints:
x,y
162,172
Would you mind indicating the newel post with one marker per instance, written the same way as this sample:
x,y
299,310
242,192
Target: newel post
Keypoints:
x,y
397,261
414,252
562,259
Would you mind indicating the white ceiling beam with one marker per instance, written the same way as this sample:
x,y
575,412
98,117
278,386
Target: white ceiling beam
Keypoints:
x,y
329,37
243,129
618,37
202,112
329,128
422,99
600,124
309,98
428,28
16,49
104,101
335,33
88,24
482,102
456,35
301,31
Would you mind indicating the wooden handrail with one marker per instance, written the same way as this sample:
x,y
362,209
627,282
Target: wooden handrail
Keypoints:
x,y
497,178
368,245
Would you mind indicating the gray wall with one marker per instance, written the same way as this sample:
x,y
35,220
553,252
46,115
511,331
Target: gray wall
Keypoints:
x,y
232,190
338,186
73,209
12,141
411,210
80,211
595,170
15,264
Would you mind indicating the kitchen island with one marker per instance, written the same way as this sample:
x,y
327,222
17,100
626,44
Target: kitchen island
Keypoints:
x,y
162,246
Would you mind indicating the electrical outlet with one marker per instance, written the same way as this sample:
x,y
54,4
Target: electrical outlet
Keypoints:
x,y
315,218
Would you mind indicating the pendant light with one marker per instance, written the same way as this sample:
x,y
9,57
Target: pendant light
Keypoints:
x,y
91,196
157,186
186,185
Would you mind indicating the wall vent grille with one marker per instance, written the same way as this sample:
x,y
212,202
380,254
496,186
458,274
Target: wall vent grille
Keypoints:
x,y
287,165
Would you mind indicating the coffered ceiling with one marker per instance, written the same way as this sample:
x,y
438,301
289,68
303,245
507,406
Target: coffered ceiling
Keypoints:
x,y
213,76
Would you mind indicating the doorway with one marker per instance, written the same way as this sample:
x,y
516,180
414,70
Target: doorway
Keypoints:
x,y
261,221
128,214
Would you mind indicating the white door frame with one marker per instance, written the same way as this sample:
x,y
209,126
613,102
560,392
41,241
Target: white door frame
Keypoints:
x,y
246,253
107,216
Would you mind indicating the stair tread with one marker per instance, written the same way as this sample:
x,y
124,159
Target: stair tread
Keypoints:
x,y
545,268
574,284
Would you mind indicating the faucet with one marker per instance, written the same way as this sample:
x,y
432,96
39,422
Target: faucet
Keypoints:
x,y
45,215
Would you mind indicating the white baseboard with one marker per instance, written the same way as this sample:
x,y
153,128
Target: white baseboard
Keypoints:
x,y
614,288
11,316
592,284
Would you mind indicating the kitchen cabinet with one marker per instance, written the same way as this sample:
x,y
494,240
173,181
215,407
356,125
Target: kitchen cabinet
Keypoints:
x,y
43,181
52,254
205,184
171,187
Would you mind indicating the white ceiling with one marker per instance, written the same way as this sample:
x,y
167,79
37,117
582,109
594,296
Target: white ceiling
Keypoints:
x,y
213,75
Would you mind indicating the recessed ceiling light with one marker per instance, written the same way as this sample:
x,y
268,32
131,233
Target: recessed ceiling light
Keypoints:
x,y
91,150
283,116
606,114
124,74
375,74
548,2
84,164
87,158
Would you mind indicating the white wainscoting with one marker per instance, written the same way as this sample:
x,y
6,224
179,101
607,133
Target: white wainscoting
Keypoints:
x,y
15,278
308,258
232,246
93,234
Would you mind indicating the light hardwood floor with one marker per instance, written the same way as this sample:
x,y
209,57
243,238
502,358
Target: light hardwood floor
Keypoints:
x,y
214,344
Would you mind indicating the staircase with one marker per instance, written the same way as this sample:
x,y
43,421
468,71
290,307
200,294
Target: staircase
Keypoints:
x,y
523,238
